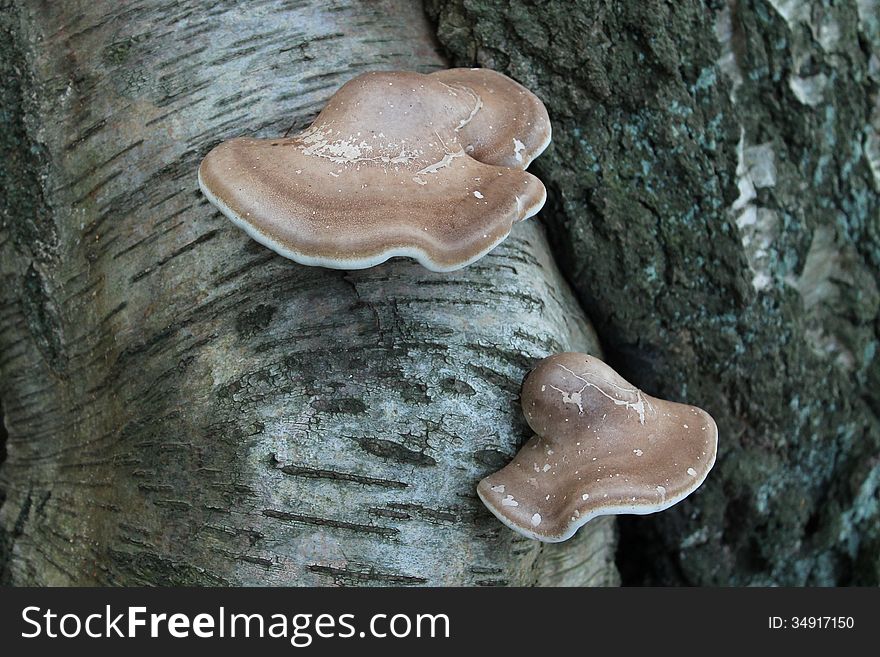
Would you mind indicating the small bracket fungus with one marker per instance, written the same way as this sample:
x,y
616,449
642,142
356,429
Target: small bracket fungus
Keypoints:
x,y
397,164
602,447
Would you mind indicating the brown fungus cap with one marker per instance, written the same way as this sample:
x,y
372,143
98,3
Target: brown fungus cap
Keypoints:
x,y
396,164
603,447
509,126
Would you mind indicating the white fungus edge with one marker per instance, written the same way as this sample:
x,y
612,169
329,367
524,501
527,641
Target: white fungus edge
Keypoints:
x,y
416,254
573,527
531,156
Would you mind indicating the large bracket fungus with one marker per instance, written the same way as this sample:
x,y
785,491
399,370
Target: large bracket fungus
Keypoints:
x,y
602,447
397,164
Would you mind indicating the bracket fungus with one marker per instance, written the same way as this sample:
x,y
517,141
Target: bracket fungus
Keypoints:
x,y
602,447
397,164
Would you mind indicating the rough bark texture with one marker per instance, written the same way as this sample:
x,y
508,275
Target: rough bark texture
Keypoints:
x,y
714,185
185,407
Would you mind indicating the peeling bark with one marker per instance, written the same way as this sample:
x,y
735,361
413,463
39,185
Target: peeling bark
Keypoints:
x,y
185,407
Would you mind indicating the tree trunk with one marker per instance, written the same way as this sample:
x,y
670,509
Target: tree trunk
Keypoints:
x,y
714,181
185,407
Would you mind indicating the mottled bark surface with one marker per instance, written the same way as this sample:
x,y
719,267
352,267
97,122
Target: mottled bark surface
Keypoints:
x,y
714,186
185,407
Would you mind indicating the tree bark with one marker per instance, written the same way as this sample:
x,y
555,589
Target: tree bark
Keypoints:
x,y
185,407
714,181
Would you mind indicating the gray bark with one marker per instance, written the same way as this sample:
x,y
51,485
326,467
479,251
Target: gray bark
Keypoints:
x,y
714,183
185,407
